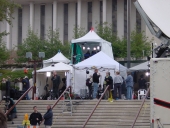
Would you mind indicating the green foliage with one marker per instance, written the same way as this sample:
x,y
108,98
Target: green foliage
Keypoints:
x,y
54,44
7,14
78,32
140,42
4,53
33,44
16,74
50,46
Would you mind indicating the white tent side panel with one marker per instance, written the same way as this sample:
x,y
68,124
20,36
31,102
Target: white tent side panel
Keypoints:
x,y
107,49
80,77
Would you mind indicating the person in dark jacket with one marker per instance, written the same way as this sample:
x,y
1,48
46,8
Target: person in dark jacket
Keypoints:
x,y
96,76
108,81
13,113
48,117
35,117
8,86
27,86
56,82
142,83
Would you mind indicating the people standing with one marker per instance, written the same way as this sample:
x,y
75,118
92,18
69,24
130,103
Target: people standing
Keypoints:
x,y
117,85
27,86
13,112
142,82
129,85
35,117
48,117
89,82
96,76
56,82
108,82
8,87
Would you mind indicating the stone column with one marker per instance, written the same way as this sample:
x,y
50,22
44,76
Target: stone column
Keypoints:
x,y
54,15
79,13
31,15
104,10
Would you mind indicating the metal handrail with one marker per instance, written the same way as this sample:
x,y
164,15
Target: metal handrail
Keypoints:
x,y
137,115
95,107
18,100
61,96
59,99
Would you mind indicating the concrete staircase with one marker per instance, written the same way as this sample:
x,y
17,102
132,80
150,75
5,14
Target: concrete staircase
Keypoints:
x,y
118,114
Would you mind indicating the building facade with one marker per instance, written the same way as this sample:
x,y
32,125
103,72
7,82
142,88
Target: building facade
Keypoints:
x,y
64,15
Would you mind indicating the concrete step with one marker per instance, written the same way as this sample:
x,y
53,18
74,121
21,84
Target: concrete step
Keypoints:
x,y
118,114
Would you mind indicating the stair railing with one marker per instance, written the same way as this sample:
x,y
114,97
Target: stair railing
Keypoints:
x,y
69,87
85,123
19,100
137,115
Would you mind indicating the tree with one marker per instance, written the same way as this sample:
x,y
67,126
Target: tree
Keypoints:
x,y
139,44
6,10
4,53
78,32
33,43
54,44
105,31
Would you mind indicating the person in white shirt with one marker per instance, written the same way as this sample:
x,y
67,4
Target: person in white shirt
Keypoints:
x,y
117,85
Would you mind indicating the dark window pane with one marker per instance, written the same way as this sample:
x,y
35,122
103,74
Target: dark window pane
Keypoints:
x,y
65,22
19,26
101,12
89,20
114,16
125,19
42,22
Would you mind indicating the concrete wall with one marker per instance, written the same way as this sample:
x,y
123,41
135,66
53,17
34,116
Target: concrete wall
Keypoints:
x,y
60,20
37,19
109,9
71,20
120,18
84,15
14,30
48,18
95,13
25,20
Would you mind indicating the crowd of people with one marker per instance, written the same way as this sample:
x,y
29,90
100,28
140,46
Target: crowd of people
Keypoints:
x,y
117,85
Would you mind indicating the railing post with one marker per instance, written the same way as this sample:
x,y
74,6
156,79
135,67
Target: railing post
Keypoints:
x,y
18,101
95,107
137,115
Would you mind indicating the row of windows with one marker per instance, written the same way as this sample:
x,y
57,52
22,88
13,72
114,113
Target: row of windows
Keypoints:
x,y
89,19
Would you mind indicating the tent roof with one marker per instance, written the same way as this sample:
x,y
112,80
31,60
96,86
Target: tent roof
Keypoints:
x,y
100,60
56,67
157,10
142,66
59,57
91,36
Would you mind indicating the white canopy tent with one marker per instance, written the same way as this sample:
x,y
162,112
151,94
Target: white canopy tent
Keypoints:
x,y
157,11
62,70
92,37
140,67
59,57
100,61
61,67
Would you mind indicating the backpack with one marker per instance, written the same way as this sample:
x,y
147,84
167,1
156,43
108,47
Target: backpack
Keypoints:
x,y
88,82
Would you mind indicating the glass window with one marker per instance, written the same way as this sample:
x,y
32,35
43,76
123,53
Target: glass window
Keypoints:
x,y
125,19
89,19
114,16
19,26
65,22
138,21
101,12
42,22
